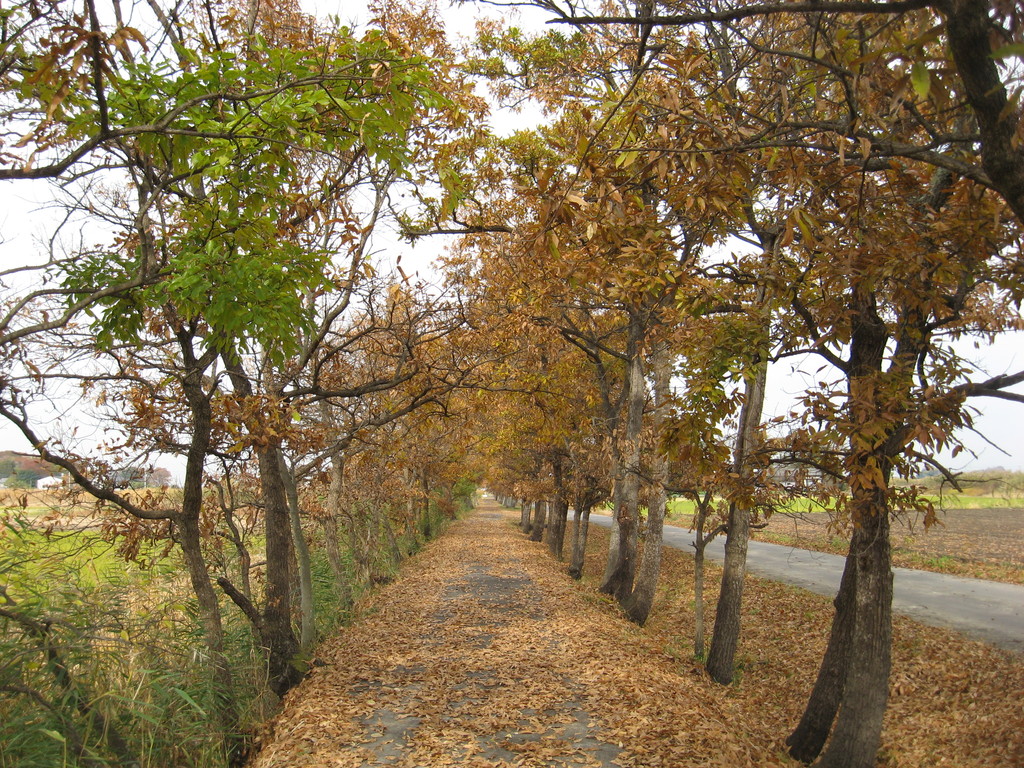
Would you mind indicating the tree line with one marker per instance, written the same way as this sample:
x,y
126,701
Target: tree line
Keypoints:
x,y
210,292
721,188
715,189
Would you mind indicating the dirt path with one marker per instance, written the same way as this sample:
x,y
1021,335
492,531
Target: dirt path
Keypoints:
x,y
467,673
484,653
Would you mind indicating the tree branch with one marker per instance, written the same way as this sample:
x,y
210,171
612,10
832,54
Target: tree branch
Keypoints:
x,y
748,11
932,462
993,387
244,603
104,494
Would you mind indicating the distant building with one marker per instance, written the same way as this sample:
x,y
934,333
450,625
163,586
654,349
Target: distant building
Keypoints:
x,y
52,481
798,475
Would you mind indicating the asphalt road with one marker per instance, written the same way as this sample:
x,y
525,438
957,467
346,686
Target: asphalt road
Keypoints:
x,y
985,610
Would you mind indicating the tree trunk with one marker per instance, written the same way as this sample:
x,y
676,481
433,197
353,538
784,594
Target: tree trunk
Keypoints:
x,y
409,537
540,514
726,635
559,512
638,606
969,30
863,637
858,729
808,738
332,536
698,603
276,620
394,551
621,564
307,609
358,544
556,526
524,516
579,540
334,558
700,545
190,541
244,556
614,531
425,522
279,637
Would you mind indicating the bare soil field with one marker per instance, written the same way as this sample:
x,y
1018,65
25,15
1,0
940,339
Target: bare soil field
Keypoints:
x,y
986,543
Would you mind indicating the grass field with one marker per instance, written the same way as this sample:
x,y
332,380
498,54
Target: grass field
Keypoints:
x,y
33,503
971,501
130,635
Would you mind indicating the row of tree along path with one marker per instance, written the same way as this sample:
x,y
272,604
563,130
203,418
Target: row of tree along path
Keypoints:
x,y
485,653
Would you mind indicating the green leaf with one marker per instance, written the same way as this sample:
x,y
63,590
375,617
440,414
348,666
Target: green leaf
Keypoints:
x,y
190,701
921,79
625,158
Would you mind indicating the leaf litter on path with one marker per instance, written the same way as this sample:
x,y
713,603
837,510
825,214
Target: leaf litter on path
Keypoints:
x,y
484,653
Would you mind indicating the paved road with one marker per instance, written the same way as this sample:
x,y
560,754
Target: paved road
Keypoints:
x,y
985,610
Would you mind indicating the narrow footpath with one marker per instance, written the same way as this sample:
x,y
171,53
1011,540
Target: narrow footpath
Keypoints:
x,y
483,653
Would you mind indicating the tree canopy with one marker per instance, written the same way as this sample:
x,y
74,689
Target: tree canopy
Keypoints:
x,y
711,191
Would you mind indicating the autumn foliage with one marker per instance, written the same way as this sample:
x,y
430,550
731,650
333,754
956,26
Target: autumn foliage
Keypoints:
x,y
712,192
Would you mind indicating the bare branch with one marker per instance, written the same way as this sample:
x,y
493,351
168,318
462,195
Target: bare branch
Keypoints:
x,y
76,472
932,462
993,387
749,11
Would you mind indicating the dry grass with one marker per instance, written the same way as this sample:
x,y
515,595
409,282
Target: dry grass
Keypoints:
x,y
72,504
954,701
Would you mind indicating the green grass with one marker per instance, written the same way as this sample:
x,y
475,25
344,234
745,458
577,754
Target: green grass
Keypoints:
x,y
684,508
95,561
131,637
986,489
970,501
33,511
805,506
83,550
981,489
680,508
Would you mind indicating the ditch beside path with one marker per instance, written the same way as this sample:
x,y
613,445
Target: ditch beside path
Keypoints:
x,y
984,610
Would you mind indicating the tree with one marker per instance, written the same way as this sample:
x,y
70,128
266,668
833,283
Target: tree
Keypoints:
x,y
976,37
236,142
824,106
